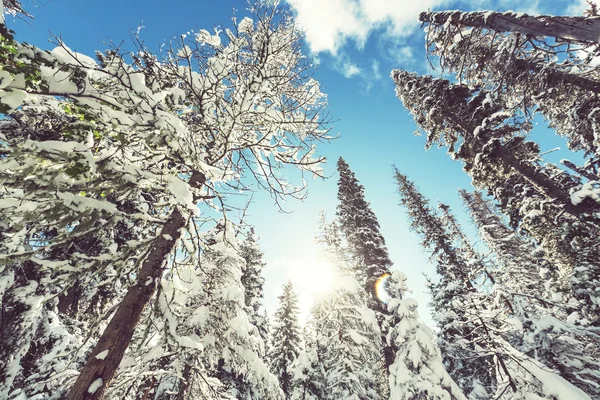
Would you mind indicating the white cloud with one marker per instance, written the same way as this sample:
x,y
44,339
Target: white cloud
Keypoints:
x,y
349,70
398,51
375,76
329,24
376,71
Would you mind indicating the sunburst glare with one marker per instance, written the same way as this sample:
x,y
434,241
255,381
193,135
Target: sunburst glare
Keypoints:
x,y
380,288
313,277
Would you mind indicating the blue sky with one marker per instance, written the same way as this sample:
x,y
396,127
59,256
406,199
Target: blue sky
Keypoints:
x,y
355,44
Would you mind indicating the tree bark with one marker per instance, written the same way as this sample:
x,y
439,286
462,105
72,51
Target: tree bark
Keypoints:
x,y
118,333
572,29
184,382
555,77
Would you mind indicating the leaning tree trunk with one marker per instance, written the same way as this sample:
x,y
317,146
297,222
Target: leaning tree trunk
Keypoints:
x,y
99,371
573,29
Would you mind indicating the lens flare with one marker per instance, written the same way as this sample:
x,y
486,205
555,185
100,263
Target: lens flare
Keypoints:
x,y
380,288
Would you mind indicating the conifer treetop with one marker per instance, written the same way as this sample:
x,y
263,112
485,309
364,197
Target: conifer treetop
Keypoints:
x,y
285,338
359,223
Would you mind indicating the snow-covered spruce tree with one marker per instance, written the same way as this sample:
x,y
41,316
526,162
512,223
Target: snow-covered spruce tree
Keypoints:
x,y
360,228
418,371
309,376
346,296
332,247
460,337
286,339
530,287
481,268
508,372
346,343
553,207
253,282
523,286
43,336
536,63
80,138
566,28
208,347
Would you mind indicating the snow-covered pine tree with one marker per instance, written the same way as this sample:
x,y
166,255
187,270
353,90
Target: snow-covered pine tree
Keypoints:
x,y
30,333
532,290
370,261
475,322
346,342
253,282
481,267
80,138
206,347
349,302
48,322
309,375
565,28
418,371
552,206
529,61
460,337
286,339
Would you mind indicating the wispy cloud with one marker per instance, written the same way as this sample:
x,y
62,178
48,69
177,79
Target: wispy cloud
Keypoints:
x,y
349,70
376,71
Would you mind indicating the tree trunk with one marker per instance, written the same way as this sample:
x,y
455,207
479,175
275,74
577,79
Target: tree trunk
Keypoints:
x,y
572,29
545,185
555,77
184,382
118,333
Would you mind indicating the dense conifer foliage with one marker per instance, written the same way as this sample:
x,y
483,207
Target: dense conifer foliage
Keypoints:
x,y
366,245
286,339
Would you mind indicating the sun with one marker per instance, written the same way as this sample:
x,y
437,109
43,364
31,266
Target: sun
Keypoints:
x,y
313,276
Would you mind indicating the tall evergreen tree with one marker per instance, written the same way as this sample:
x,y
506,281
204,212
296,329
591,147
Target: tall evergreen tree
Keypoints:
x,y
403,335
371,261
418,371
285,339
309,375
346,341
198,342
476,323
346,306
553,207
253,283
461,338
